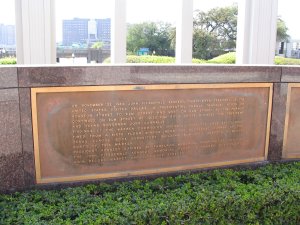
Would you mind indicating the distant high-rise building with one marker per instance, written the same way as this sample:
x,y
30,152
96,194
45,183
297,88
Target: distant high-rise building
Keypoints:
x,y
92,31
103,28
75,31
7,35
85,31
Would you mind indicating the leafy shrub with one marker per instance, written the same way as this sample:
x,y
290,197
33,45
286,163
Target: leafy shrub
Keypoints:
x,y
228,58
199,61
152,59
267,195
107,60
8,60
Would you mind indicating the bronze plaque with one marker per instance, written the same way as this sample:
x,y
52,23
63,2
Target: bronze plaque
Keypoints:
x,y
115,131
291,140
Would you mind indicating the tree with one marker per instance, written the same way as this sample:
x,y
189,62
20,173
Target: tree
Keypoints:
x,y
204,44
282,29
155,36
97,45
214,31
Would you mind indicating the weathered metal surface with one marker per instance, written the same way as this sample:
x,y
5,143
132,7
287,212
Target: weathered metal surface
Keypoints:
x,y
291,140
114,131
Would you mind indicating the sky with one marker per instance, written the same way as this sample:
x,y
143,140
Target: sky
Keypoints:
x,y
144,10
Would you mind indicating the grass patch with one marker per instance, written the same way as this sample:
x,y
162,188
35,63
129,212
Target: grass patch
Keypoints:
x,y
267,195
286,61
8,61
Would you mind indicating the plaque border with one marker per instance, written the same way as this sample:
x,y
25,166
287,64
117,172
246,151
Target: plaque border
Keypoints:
x,y
35,91
285,153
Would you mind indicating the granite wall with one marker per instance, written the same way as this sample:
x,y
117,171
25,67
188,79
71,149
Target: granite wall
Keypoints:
x,y
17,170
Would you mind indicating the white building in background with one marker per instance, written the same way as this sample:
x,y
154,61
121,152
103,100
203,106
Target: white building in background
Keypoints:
x,y
92,31
84,31
290,49
7,36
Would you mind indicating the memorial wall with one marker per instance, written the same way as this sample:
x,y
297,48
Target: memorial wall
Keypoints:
x,y
119,130
292,123
62,125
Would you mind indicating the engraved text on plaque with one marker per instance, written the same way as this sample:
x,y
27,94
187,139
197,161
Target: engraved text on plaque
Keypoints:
x,y
96,132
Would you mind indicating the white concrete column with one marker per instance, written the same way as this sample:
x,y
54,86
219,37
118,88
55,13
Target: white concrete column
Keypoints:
x,y
256,33
118,32
35,31
184,32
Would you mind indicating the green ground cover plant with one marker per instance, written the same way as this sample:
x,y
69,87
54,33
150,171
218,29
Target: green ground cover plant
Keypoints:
x,y
153,59
228,58
266,195
286,61
8,61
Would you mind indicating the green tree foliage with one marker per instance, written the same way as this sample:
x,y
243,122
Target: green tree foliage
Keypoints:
x,y
97,45
214,31
155,36
214,34
204,44
282,30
